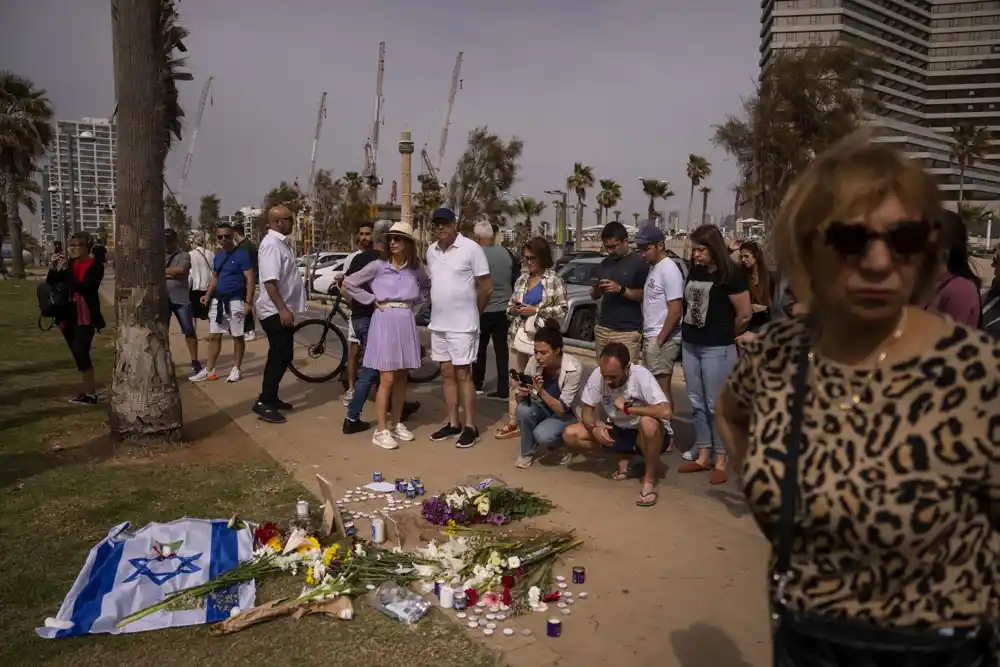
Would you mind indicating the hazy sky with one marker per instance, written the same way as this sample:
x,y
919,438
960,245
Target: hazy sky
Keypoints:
x,y
630,87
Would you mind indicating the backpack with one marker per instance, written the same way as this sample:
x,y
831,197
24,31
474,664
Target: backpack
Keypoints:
x,y
53,301
515,267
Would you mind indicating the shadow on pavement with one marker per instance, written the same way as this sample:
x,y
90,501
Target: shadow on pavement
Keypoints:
x,y
703,645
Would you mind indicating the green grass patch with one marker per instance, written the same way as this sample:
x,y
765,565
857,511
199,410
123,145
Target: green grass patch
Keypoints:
x,y
54,505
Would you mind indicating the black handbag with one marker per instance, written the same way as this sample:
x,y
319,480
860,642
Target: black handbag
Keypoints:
x,y
809,640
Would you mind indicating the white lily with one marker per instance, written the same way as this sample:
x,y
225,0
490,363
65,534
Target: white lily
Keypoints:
x,y
534,596
483,505
295,540
494,560
359,550
513,562
424,570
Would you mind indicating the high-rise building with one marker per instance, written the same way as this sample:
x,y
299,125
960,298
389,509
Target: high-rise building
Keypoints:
x,y
78,182
940,66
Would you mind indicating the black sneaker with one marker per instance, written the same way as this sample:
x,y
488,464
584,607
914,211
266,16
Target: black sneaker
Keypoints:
x,y
352,426
268,413
496,395
469,438
84,399
409,408
282,405
445,432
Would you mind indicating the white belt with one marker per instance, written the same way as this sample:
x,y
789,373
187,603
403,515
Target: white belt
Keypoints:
x,y
393,304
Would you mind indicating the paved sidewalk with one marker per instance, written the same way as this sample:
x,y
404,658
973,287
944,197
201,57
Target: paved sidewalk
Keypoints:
x,y
679,584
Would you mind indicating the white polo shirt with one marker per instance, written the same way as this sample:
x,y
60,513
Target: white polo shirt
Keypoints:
x,y
453,274
276,262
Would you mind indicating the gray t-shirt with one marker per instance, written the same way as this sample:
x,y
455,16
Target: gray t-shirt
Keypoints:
x,y
620,313
501,267
177,287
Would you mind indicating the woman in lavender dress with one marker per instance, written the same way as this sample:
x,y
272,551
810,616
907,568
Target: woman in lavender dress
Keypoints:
x,y
395,283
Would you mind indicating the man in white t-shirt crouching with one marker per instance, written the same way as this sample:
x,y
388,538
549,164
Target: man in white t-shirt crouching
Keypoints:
x,y
460,288
635,413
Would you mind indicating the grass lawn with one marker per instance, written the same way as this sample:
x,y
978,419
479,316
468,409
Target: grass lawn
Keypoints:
x,y
63,485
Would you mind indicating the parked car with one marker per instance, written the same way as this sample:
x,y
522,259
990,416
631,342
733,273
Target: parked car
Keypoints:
x,y
581,313
326,276
580,254
323,260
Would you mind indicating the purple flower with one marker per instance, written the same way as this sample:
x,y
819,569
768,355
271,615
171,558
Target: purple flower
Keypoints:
x,y
497,519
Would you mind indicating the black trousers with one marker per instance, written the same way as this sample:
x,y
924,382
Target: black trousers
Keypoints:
x,y
280,346
492,326
79,338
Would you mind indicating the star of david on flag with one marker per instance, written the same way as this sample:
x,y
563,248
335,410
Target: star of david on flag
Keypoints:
x,y
128,572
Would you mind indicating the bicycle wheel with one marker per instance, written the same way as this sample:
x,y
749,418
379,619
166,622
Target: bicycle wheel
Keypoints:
x,y
320,351
429,370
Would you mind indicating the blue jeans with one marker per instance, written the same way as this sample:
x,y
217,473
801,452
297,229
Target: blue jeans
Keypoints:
x,y
705,373
367,377
539,426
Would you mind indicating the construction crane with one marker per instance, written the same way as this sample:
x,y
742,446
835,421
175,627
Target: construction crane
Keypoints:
x,y
194,137
371,146
432,173
310,184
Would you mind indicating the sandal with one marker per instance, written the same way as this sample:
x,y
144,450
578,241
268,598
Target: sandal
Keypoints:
x,y
719,476
694,466
647,498
507,431
619,476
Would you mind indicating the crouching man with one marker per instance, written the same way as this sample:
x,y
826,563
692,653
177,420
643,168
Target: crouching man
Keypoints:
x,y
635,411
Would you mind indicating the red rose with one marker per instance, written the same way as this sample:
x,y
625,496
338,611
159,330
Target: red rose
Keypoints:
x,y
471,596
265,531
551,597
506,596
507,581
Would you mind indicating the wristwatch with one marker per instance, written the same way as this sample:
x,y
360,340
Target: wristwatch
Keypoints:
x,y
621,290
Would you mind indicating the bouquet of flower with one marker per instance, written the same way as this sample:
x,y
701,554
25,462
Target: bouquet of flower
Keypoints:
x,y
465,505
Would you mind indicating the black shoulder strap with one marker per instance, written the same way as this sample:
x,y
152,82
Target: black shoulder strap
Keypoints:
x,y
789,483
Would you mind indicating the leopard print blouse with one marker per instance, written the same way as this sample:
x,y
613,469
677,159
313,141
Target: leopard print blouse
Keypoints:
x,y
892,522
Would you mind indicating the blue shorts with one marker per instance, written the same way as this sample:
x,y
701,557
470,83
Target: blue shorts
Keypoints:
x,y
626,441
185,317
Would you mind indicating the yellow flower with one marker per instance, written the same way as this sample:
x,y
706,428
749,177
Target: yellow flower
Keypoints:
x,y
451,527
274,544
312,544
330,554
310,579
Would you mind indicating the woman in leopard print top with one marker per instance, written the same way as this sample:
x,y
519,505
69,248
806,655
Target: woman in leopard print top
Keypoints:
x,y
899,459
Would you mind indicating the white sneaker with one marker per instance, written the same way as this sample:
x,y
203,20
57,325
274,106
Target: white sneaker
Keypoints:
x,y
403,433
384,440
234,375
688,455
202,375
348,396
249,335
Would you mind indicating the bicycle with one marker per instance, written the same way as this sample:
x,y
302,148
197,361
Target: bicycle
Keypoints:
x,y
314,335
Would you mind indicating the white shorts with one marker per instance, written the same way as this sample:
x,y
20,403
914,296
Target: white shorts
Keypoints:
x,y
459,348
231,324
351,338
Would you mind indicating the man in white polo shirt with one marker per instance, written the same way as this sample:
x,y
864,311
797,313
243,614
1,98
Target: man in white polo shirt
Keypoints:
x,y
460,289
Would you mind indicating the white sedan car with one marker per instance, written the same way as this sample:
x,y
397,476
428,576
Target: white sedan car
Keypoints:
x,y
326,277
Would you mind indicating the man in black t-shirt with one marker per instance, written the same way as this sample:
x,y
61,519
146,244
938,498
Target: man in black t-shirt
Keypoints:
x,y
243,242
360,313
620,279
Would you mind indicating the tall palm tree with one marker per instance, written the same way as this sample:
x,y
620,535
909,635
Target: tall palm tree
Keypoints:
x,y
969,144
209,211
635,219
145,404
698,169
738,191
618,215
705,190
579,181
24,190
527,208
655,189
609,196
26,131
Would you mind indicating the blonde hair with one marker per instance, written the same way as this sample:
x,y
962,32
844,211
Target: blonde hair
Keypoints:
x,y
849,180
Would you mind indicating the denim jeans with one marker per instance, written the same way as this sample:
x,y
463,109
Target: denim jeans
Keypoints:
x,y
539,426
367,377
705,372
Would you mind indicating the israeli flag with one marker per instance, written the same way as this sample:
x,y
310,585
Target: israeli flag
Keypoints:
x,y
128,572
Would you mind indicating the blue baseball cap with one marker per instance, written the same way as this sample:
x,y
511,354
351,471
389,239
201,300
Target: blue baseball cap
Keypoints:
x,y
445,214
650,234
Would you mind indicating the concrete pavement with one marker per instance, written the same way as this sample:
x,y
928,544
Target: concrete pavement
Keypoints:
x,y
679,584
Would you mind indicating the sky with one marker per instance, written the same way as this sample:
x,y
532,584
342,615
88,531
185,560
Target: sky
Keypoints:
x,y
630,87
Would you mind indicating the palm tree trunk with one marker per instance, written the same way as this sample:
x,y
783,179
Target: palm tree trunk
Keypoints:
x,y
961,184
687,226
16,226
145,403
578,241
736,207
652,207
704,207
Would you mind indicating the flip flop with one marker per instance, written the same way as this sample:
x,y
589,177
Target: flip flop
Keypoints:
x,y
619,476
647,498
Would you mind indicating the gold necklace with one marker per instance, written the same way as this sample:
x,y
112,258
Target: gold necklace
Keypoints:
x,y
856,392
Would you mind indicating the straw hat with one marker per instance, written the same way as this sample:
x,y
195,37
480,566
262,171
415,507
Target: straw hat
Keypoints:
x,y
400,229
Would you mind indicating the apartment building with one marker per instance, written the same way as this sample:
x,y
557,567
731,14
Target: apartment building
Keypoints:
x,y
941,65
78,180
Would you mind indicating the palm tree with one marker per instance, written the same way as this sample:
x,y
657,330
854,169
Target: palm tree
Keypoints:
x,y
145,403
26,131
738,191
705,190
24,190
618,215
609,196
654,189
209,211
528,207
970,143
581,179
698,169
635,219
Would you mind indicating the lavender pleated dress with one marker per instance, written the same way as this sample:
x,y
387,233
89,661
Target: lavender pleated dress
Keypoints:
x,y
393,342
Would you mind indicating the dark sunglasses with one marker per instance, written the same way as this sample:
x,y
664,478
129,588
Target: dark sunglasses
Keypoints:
x,y
530,258
223,237
904,239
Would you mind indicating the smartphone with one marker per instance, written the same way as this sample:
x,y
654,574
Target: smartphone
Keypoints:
x,y
57,248
522,378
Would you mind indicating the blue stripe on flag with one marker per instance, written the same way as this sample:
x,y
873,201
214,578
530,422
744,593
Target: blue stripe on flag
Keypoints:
x,y
87,607
225,556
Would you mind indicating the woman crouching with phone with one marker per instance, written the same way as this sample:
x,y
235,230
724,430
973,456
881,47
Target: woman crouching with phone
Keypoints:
x,y
545,393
